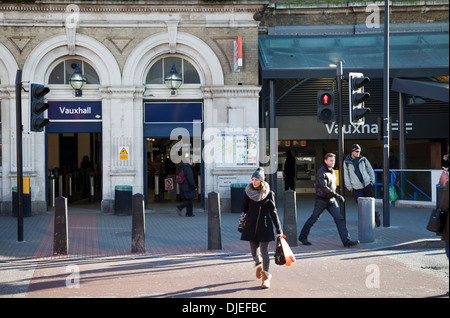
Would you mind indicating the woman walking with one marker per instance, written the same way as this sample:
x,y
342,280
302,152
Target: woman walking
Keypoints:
x,y
259,203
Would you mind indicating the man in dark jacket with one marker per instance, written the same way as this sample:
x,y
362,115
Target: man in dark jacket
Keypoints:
x,y
326,198
187,189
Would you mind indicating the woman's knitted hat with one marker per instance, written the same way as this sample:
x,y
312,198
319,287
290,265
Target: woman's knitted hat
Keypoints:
x,y
259,173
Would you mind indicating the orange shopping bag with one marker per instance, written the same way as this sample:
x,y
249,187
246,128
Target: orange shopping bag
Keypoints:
x,y
289,256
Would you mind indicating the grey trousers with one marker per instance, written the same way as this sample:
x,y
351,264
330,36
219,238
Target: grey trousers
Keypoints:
x,y
261,250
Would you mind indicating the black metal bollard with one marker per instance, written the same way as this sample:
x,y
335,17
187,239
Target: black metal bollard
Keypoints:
x,y
214,223
138,224
290,217
61,233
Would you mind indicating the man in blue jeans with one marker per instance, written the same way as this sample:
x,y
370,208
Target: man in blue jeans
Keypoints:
x,y
326,198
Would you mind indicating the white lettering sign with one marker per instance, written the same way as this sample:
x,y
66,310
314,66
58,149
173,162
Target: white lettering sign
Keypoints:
x,y
79,110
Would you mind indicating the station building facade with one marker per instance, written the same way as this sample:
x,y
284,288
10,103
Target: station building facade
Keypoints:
x,y
118,132
128,126
300,45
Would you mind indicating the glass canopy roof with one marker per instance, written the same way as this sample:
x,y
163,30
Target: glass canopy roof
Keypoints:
x,y
411,55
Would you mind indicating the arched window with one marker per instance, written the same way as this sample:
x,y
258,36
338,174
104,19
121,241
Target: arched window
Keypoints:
x,y
62,72
159,70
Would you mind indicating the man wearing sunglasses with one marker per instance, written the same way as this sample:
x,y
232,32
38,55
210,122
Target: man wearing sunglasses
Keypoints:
x,y
359,177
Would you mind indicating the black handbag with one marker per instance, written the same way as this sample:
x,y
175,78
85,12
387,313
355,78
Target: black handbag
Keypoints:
x,y
279,255
242,221
436,221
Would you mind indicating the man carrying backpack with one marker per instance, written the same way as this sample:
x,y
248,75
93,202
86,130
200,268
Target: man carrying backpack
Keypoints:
x,y
187,188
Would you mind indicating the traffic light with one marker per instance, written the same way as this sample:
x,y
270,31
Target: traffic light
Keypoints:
x,y
357,96
38,105
325,106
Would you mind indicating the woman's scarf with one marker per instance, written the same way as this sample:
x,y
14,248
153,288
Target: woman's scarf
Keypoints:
x,y
257,194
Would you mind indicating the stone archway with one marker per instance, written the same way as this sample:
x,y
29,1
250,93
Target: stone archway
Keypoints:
x,y
209,67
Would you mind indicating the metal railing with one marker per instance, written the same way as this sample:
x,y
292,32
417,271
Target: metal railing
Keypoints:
x,y
409,184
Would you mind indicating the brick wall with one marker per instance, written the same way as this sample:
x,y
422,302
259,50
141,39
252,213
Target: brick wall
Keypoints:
x,y
217,25
353,15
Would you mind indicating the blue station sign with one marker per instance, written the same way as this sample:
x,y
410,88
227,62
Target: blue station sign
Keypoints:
x,y
75,111
181,112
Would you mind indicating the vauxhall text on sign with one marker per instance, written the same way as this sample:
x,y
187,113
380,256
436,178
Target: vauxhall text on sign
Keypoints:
x,y
416,126
73,111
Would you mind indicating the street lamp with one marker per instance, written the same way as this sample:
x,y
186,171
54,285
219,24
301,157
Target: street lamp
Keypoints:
x,y
173,80
77,81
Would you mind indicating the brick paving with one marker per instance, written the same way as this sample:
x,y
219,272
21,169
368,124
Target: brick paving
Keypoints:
x,y
321,274
177,263
93,234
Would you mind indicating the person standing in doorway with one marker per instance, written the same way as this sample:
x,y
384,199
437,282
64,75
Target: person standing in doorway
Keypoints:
x,y
187,189
393,161
359,177
259,203
289,172
326,198
86,169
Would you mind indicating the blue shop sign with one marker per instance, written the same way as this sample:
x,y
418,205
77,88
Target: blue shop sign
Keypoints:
x,y
182,112
75,111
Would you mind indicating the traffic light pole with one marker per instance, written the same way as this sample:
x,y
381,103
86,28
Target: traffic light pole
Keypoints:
x,y
339,76
386,132
19,155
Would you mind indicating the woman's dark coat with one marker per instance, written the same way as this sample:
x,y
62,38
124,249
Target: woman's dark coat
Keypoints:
x,y
261,217
188,187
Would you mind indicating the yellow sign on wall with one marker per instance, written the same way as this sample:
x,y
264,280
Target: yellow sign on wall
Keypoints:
x,y
26,185
123,154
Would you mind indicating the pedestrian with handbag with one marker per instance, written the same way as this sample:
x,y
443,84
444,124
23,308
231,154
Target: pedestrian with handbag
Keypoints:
x,y
259,203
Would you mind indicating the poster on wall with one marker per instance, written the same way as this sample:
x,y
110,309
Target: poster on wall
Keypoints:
x,y
236,149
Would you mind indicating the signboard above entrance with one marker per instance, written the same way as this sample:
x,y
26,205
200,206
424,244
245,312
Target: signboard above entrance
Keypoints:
x,y
75,111
172,112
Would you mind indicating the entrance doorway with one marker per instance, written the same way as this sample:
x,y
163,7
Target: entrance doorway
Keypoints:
x,y
161,171
305,167
74,167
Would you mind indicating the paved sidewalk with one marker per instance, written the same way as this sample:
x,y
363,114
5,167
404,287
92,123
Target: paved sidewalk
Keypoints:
x,y
177,263
94,234
320,274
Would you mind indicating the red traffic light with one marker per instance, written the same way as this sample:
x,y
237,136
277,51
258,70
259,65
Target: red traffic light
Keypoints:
x,y
325,106
325,99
